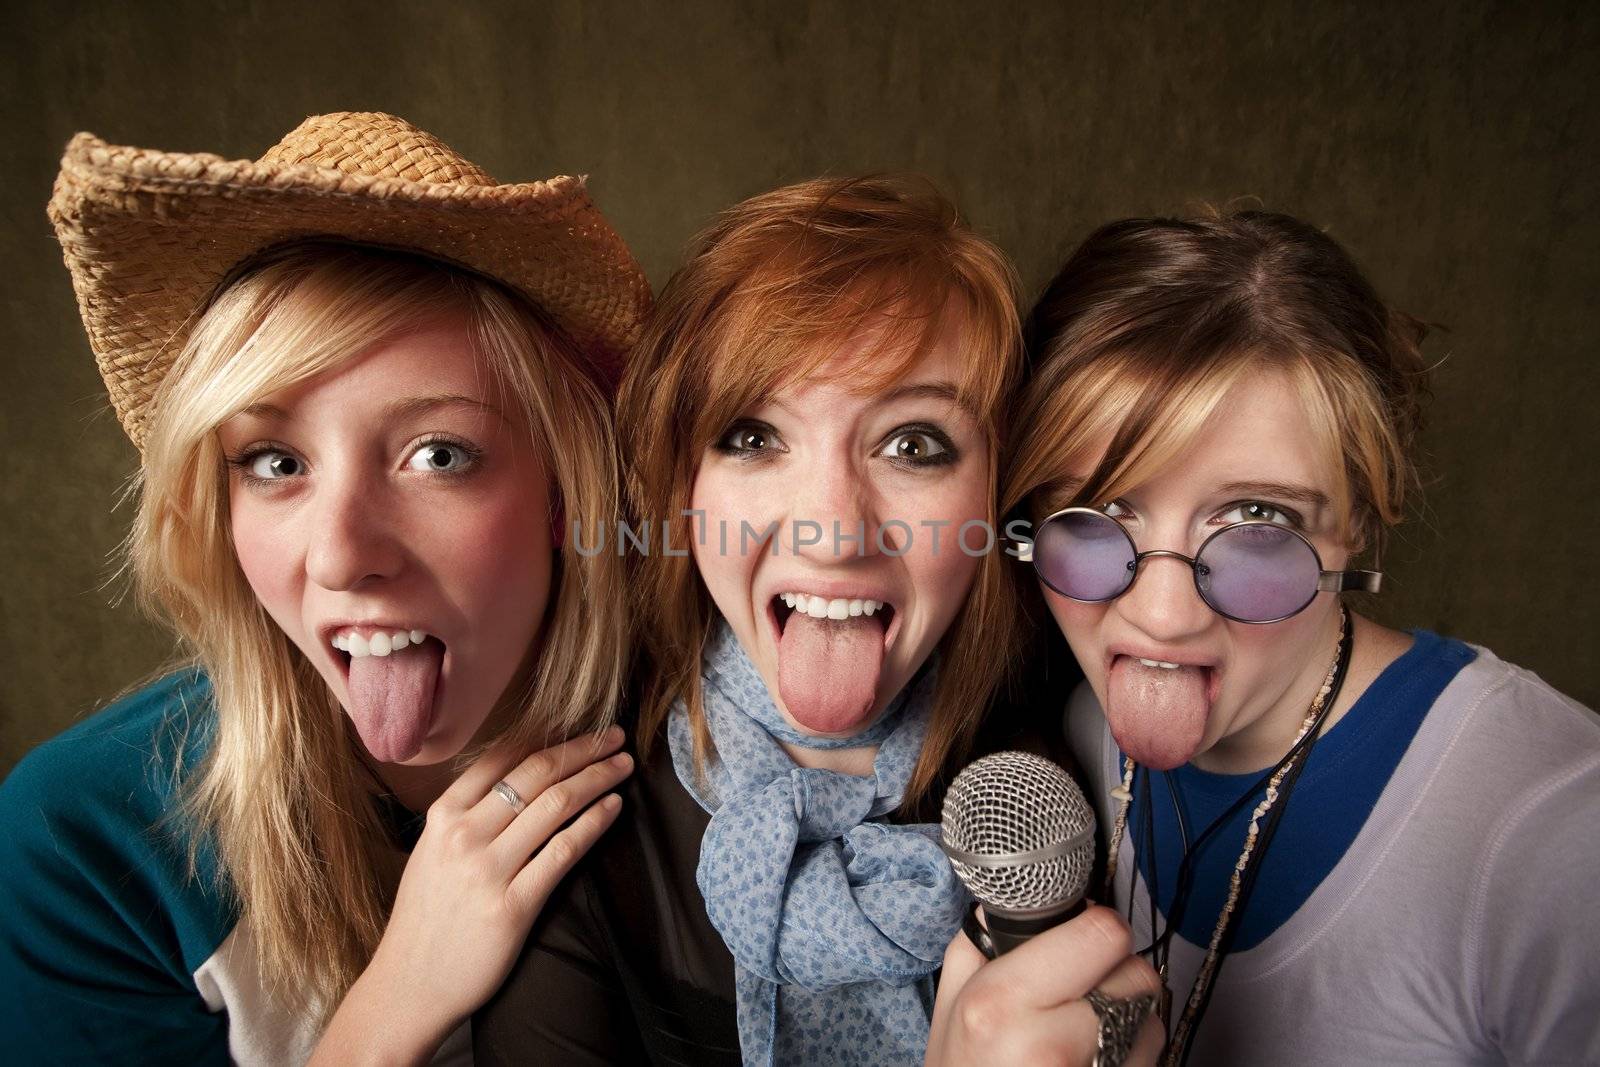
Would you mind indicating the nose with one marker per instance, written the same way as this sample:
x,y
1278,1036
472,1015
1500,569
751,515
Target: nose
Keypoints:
x,y
1163,601
351,542
835,515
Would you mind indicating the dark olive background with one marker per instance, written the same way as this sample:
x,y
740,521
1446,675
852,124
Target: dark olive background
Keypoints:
x,y
1451,146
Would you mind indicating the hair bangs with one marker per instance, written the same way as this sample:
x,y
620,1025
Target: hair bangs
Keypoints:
x,y
296,313
1165,301
1165,407
813,308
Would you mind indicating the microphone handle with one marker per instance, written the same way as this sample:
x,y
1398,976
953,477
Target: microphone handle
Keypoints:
x,y
1008,929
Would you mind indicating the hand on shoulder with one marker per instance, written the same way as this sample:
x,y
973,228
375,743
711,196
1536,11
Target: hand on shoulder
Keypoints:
x,y
473,886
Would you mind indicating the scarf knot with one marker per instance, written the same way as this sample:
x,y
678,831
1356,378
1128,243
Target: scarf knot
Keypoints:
x,y
836,920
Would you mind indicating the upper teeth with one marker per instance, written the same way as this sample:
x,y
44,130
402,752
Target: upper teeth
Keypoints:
x,y
822,608
379,644
1160,663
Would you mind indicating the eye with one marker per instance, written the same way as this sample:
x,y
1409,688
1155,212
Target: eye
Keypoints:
x,y
1117,510
749,438
1258,511
919,446
441,457
269,464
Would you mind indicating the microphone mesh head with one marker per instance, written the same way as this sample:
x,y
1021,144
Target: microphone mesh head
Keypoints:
x,y
1015,802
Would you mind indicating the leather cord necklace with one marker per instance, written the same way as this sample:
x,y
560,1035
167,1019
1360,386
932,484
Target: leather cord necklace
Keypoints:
x,y
1279,783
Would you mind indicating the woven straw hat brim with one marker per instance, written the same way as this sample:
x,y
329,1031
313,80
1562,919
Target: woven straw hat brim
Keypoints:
x,y
148,236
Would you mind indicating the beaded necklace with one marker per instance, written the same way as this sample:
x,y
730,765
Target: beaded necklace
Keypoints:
x,y
1280,782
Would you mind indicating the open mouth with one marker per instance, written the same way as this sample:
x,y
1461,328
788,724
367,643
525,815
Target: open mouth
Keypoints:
x,y
785,606
831,655
392,678
1158,706
352,644
1161,671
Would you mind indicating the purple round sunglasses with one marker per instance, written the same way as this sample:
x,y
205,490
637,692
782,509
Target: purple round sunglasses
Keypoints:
x,y
1253,572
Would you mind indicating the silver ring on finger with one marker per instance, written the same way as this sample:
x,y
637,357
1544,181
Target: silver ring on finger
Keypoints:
x,y
503,790
1120,1019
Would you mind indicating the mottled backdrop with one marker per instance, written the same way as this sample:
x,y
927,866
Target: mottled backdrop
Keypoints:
x,y
1451,146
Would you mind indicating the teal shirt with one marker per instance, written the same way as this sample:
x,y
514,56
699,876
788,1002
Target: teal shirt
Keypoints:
x,y
103,927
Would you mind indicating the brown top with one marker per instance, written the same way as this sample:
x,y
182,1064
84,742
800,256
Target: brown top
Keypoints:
x,y
623,967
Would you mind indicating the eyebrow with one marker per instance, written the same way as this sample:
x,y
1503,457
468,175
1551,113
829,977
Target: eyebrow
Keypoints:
x,y
1066,489
422,405
1059,493
264,411
410,407
940,390
1300,494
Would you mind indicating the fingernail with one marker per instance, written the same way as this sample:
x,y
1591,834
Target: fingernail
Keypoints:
x,y
611,802
1108,924
621,760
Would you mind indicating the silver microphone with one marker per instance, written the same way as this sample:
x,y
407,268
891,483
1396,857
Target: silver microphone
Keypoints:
x,y
1020,835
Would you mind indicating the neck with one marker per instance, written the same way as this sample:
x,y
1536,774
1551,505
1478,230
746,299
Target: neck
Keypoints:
x,y
857,761
417,787
1261,746
1375,648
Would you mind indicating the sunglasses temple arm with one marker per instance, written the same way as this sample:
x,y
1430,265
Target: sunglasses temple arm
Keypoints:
x,y
1350,581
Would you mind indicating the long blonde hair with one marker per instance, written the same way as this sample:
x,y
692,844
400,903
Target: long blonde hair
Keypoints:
x,y
767,295
282,792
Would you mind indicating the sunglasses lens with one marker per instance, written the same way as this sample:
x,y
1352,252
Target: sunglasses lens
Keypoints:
x,y
1258,572
1084,555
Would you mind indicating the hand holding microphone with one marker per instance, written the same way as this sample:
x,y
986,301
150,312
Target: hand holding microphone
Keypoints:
x,y
1067,990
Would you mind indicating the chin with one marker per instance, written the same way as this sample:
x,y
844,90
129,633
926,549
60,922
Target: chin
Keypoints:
x,y
896,679
432,755
434,751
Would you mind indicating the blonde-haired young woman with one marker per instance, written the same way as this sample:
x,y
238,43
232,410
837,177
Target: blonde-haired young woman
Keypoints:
x,y
367,383
815,412
1337,842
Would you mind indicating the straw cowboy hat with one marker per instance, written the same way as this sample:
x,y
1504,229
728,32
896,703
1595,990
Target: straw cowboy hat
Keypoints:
x,y
150,236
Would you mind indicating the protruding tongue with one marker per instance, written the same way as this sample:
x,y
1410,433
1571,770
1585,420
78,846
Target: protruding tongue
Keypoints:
x,y
828,671
391,699
1157,715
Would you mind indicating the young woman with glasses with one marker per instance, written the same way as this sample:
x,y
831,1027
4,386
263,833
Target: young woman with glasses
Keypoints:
x,y
1335,841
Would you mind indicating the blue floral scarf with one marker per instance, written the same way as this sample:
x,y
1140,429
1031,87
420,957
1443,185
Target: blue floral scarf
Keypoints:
x,y
836,919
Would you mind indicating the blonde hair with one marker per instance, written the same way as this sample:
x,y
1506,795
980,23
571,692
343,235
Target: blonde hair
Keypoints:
x,y
282,791
1152,321
768,293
